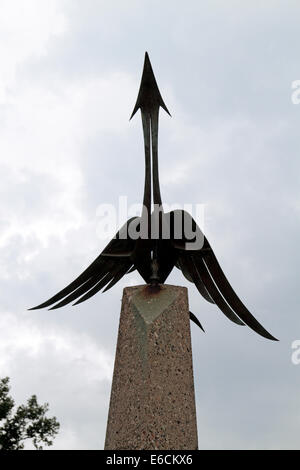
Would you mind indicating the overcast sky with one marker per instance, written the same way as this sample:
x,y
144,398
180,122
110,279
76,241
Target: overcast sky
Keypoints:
x,y
69,77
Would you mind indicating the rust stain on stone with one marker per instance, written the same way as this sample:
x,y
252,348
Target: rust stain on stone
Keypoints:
x,y
151,290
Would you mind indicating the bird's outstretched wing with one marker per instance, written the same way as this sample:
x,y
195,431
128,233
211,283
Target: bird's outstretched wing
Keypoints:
x,y
201,267
107,269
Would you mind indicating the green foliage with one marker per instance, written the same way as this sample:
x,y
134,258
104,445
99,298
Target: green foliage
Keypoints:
x,y
28,422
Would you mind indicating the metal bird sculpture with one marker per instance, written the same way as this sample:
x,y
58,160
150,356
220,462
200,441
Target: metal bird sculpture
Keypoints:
x,y
157,241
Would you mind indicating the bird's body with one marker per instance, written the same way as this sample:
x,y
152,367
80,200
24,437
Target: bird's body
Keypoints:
x,y
156,242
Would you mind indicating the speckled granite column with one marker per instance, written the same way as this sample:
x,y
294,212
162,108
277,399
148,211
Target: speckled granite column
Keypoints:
x,y
152,404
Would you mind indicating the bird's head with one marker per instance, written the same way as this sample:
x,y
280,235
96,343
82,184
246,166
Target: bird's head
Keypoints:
x,y
149,97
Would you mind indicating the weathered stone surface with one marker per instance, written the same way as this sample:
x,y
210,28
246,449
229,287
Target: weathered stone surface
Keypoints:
x,y
152,404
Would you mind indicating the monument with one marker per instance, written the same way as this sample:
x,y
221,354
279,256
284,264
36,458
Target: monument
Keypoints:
x,y
152,401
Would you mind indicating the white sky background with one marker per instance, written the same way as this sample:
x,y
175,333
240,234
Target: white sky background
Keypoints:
x,y
69,77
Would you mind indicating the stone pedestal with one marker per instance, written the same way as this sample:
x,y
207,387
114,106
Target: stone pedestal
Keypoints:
x,y
152,404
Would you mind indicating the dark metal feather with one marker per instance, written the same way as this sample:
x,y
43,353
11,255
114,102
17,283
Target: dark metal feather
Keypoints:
x,y
190,272
197,271
214,292
104,281
78,292
196,321
122,271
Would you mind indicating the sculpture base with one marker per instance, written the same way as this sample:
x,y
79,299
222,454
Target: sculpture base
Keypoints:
x,y
152,404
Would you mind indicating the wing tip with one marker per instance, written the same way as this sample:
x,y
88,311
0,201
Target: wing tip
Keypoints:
x,y
194,319
37,307
271,337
